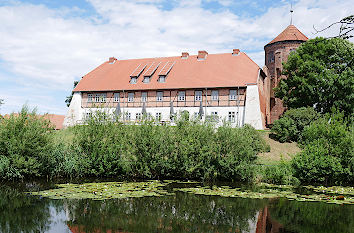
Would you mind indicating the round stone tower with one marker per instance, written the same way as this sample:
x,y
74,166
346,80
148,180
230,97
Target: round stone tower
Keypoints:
x,y
277,52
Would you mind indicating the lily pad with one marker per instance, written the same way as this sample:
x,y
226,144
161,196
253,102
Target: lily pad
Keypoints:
x,y
106,190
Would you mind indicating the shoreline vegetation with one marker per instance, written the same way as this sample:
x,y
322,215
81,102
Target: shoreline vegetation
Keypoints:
x,y
190,150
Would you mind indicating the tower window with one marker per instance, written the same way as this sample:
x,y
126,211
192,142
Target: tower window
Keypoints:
x,y
270,58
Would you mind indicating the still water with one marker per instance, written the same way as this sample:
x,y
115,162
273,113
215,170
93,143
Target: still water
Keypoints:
x,y
182,212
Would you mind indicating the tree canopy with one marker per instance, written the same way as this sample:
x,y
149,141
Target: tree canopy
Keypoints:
x,y
320,73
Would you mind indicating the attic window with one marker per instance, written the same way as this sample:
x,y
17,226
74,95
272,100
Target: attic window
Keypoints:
x,y
162,78
133,80
146,79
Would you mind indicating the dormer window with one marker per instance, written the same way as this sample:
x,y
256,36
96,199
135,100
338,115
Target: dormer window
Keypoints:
x,y
162,78
146,79
133,80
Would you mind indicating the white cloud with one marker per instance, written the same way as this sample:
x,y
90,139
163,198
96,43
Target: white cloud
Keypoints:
x,y
49,48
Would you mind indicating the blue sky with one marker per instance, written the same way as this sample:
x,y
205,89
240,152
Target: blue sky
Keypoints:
x,y
47,44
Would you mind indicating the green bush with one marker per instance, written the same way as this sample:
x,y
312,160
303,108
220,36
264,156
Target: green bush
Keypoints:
x,y
314,165
290,126
189,150
24,144
278,174
328,152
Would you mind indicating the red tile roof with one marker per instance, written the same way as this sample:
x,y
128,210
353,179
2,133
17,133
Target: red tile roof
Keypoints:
x,y
56,120
290,33
217,70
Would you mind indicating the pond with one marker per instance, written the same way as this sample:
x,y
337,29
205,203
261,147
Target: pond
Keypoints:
x,y
166,207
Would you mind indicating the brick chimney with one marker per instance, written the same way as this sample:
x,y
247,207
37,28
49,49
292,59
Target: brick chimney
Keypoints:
x,y
202,55
235,52
112,60
185,55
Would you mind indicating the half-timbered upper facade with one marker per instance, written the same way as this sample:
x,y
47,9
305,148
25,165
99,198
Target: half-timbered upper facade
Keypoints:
x,y
227,86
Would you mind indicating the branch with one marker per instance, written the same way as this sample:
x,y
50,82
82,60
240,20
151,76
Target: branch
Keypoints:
x,y
347,26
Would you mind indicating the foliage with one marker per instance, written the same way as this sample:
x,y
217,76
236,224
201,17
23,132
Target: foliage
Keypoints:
x,y
281,173
24,144
189,150
290,126
320,73
70,97
328,155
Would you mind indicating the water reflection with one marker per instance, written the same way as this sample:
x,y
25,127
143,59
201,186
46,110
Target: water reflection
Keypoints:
x,y
182,212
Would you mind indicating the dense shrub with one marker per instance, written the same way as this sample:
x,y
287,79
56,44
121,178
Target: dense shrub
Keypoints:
x,y
24,144
281,173
328,152
290,126
105,147
188,150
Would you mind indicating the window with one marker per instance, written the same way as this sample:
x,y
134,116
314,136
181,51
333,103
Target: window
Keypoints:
x,y
233,95
128,116
158,116
214,95
196,115
198,96
131,97
89,98
88,116
162,78
116,97
214,117
181,96
270,57
97,98
103,98
138,116
146,79
143,96
231,117
159,96
133,80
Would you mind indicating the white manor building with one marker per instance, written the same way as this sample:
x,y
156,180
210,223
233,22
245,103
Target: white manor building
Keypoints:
x,y
226,86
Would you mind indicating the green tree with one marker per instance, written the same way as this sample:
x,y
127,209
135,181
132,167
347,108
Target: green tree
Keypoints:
x,y
320,74
69,98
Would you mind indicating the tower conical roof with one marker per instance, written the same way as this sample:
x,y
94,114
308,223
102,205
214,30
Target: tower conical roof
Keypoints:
x,y
290,33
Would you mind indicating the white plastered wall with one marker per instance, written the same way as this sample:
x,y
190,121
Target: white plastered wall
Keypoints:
x,y
75,112
253,114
